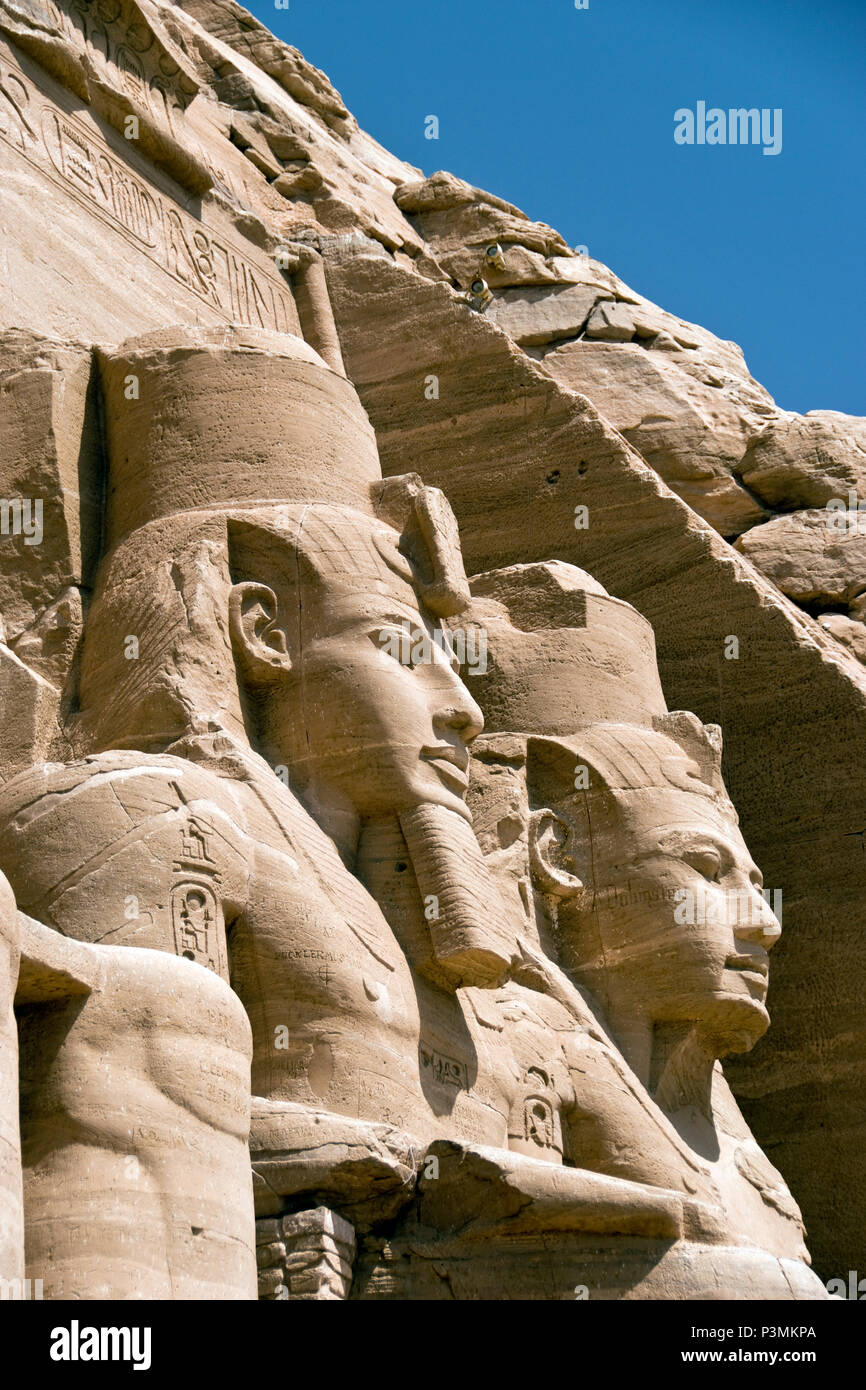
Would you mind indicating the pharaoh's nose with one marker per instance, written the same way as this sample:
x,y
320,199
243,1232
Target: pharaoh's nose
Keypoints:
x,y
456,707
759,924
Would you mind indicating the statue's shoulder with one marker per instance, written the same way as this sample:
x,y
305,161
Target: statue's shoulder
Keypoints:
x,y
132,781
113,815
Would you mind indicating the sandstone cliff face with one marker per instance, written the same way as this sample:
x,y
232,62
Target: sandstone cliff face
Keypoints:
x,y
252,196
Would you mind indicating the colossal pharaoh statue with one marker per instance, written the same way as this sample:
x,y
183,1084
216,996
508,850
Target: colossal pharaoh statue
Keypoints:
x,y
606,823
473,1049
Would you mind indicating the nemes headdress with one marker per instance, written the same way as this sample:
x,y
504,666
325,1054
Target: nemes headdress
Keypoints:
x,y
678,753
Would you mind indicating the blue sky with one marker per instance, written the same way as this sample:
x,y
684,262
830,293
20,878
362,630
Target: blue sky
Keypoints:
x,y
570,114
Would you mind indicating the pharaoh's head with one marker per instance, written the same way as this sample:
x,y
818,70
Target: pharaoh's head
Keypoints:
x,y
348,680
302,629
238,595
660,907
629,837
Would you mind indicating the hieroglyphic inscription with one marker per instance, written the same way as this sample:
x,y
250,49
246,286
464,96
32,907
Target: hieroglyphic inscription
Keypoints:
x,y
122,47
199,929
72,155
444,1070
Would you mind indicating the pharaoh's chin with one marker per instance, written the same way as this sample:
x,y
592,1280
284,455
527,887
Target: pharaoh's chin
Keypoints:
x,y
737,1016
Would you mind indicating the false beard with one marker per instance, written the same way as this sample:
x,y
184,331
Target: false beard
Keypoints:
x,y
447,914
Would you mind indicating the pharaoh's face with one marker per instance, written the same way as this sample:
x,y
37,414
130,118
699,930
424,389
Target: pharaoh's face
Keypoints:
x,y
386,716
681,929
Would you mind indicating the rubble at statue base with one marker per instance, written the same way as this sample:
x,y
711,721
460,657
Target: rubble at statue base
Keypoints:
x,y
370,931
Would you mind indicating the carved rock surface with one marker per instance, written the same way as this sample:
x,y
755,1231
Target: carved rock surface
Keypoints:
x,y
11,1184
536,315
691,431
848,631
51,488
807,460
816,557
216,747
113,1041
792,705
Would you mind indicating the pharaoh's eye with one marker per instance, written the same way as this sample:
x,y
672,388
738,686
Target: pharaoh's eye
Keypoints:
x,y
707,861
406,645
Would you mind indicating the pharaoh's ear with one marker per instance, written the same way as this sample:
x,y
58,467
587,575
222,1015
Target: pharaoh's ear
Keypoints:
x,y
258,640
551,855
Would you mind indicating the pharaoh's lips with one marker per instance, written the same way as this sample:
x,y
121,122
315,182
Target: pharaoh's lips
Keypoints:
x,y
451,763
751,966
